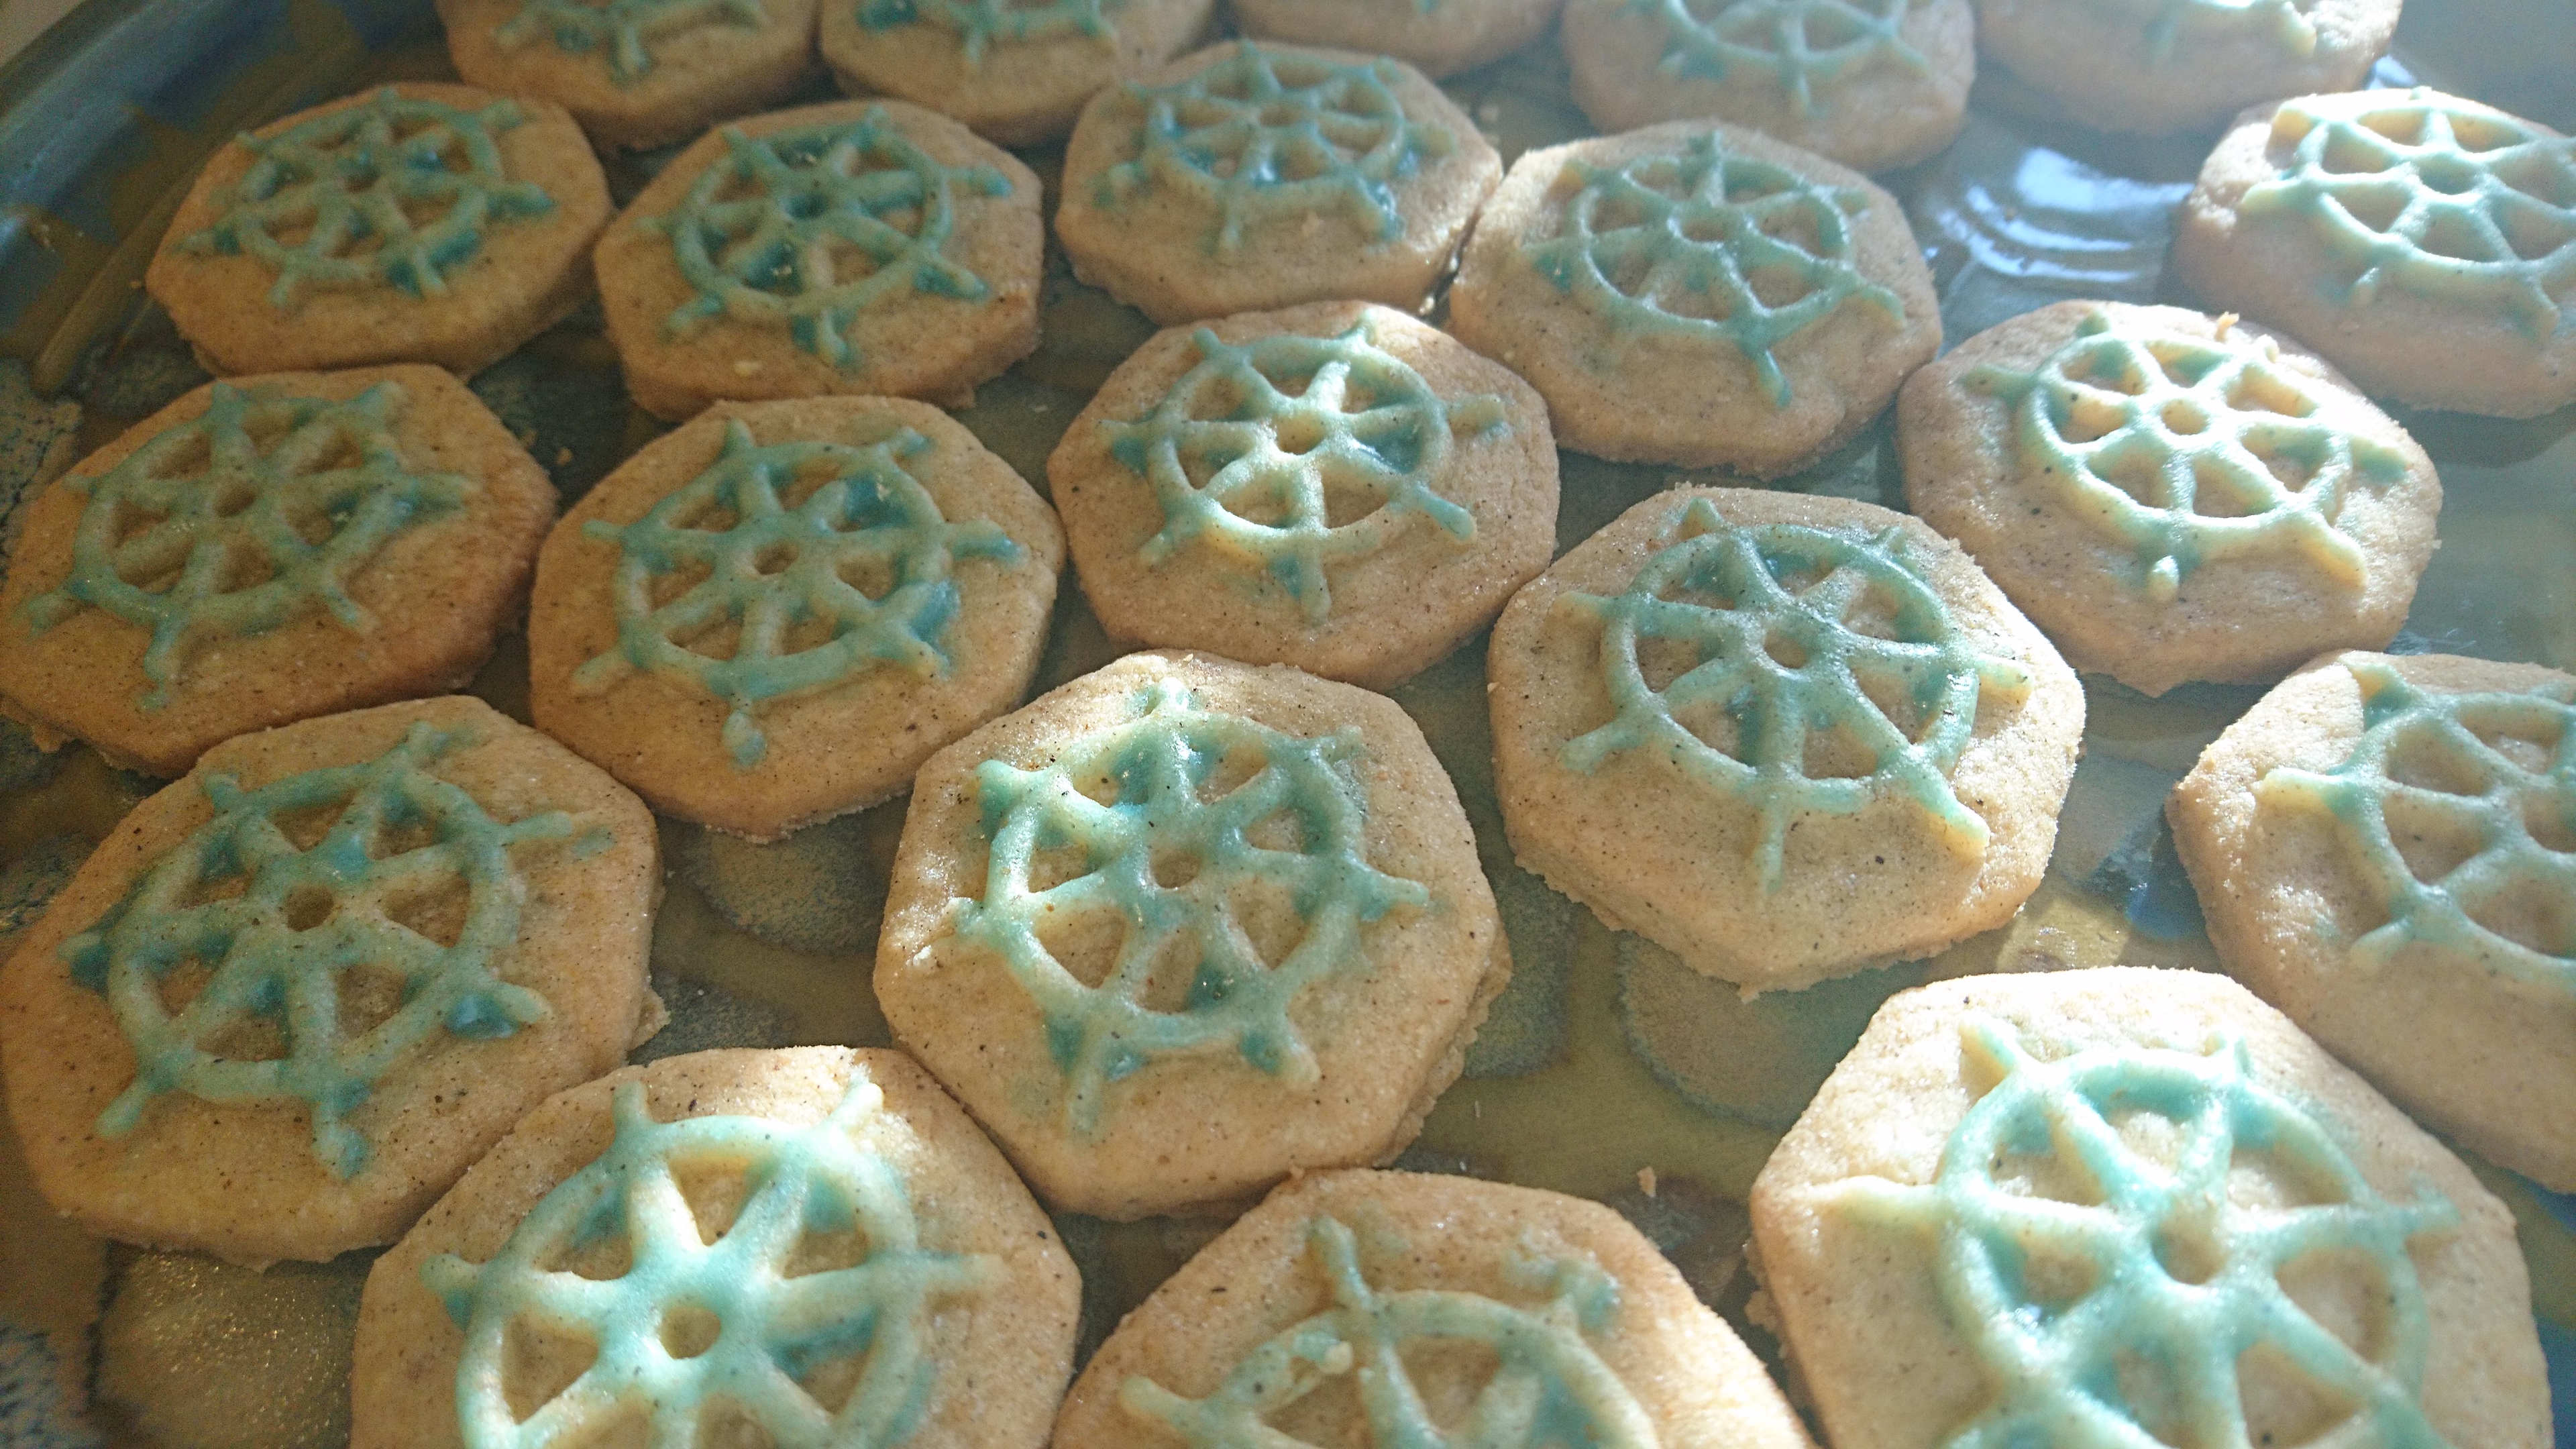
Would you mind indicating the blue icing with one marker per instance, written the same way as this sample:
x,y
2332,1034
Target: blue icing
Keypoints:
x,y
1758,610
1155,770
1268,136
2476,781
1266,428
229,506
768,1329
1670,244
624,29
1549,1387
755,234
1797,44
278,927
348,185
2118,1318
779,566
979,24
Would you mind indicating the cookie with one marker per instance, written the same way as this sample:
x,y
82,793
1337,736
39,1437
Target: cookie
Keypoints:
x,y
2423,243
1437,37
1783,737
266,550
1873,84
1698,295
807,1246
298,992
2172,497
1254,176
1337,486
2382,849
2130,1207
635,72
1460,1311
410,223
1184,927
1018,73
2178,65
861,248
773,615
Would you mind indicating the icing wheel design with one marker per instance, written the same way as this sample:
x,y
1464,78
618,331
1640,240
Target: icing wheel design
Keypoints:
x,y
624,29
980,24
1798,43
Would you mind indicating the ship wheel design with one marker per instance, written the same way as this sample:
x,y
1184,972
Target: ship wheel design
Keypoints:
x,y
274,930
625,29
1248,450
781,604
2146,1275
2483,788
1171,856
2140,430
691,1328
1766,614
1548,1386
1798,43
1671,243
251,514
334,200
1266,134
810,228
2436,196
978,24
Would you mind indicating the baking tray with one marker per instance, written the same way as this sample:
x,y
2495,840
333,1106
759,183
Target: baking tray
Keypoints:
x,y
1606,1071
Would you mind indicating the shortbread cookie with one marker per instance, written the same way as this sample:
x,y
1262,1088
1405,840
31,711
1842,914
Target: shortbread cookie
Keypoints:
x,y
2423,243
1784,737
1336,486
1250,176
2172,497
812,1246
1018,73
1184,927
410,223
265,550
2383,850
2178,65
1873,84
2134,1207
862,247
773,615
297,992
635,72
1439,37
1461,1312
1698,295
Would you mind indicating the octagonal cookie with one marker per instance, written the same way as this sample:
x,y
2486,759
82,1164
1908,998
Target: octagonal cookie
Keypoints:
x,y
2423,243
2172,497
299,991
1873,84
2134,1206
1450,1304
1185,926
410,223
1017,73
1336,486
814,1246
635,72
1784,737
2382,847
774,614
2153,67
1440,37
1249,176
1698,295
860,248
268,549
